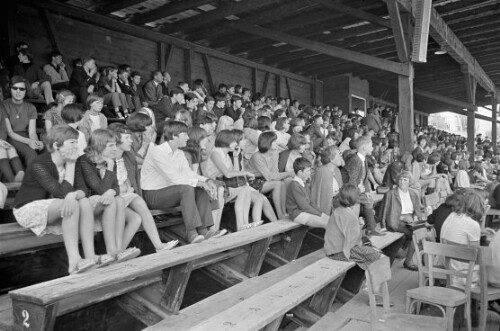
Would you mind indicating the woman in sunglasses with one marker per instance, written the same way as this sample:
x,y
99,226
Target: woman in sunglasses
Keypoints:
x,y
20,121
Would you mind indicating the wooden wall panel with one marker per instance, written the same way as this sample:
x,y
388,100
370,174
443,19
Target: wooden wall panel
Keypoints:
x,y
108,47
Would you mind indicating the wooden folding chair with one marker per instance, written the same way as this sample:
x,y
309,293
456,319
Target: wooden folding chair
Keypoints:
x,y
484,293
447,299
378,274
419,236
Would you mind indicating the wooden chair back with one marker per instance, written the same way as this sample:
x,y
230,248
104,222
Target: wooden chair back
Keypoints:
x,y
419,237
462,253
378,273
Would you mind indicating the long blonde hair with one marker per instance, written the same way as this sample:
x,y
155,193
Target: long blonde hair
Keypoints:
x,y
97,144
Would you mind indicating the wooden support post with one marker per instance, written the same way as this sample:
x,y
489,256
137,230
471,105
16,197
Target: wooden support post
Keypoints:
x,y
256,257
405,89
52,31
289,90
274,325
264,85
175,286
494,124
208,71
470,91
29,316
313,91
398,31
161,49
168,56
292,248
254,80
322,300
224,274
188,62
278,85
140,308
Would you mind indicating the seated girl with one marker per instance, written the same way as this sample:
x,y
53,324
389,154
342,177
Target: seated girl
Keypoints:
x,y
48,202
343,233
110,91
96,176
128,181
11,167
327,179
143,134
93,119
296,146
282,126
72,115
264,166
53,115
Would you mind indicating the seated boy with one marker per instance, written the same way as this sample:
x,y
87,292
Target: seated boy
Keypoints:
x,y
298,198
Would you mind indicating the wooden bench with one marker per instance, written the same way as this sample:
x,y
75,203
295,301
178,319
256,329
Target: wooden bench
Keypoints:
x,y
15,239
307,312
42,303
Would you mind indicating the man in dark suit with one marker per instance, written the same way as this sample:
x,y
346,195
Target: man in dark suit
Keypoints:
x,y
235,111
355,172
83,80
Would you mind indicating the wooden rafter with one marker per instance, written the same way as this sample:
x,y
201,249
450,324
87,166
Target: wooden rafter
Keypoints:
x,y
354,12
441,33
334,51
166,10
398,31
226,9
113,6
140,32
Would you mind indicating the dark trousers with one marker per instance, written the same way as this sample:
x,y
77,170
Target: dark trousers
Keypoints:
x,y
187,197
23,150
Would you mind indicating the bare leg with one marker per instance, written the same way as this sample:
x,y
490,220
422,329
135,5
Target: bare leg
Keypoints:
x,y
276,188
87,228
119,222
217,213
242,208
47,92
133,222
108,226
268,210
257,204
148,223
70,229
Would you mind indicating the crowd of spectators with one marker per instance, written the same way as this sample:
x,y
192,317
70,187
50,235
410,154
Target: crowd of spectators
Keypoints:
x,y
182,145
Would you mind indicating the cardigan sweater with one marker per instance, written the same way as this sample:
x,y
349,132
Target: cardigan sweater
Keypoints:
x,y
298,200
41,181
88,179
322,186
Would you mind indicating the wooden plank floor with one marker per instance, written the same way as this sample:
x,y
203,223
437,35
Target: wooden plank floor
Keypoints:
x,y
403,280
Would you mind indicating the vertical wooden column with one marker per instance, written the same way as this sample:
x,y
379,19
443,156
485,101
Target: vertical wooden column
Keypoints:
x,y
494,109
161,49
278,86
254,80
188,62
470,91
406,117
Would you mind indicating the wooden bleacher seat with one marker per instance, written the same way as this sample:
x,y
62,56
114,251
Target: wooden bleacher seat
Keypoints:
x,y
15,239
45,301
309,311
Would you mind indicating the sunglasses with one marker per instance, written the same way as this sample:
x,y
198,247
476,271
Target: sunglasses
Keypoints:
x,y
16,88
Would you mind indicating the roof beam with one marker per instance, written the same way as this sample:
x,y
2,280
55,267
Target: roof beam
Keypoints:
x,y
113,6
354,12
333,51
441,33
166,10
398,31
144,33
226,9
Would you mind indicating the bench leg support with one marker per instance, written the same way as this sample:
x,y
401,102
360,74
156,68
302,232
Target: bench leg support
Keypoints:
x,y
141,309
293,247
322,300
28,316
256,257
175,286
274,325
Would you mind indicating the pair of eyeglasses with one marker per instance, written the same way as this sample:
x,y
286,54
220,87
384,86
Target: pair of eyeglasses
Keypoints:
x,y
16,88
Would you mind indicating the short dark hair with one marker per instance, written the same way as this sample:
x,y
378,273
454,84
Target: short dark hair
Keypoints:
x,y
92,98
348,195
224,138
55,54
280,123
296,140
173,128
134,73
266,140
119,129
263,123
176,91
326,154
204,119
138,122
58,134
72,113
300,164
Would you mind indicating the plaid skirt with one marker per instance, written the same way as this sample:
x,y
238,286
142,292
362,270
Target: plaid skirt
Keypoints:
x,y
361,255
257,183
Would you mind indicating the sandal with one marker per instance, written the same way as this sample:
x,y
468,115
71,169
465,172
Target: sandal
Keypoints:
x,y
82,266
247,227
256,224
168,246
128,254
104,260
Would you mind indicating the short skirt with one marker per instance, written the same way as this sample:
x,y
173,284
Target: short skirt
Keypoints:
x,y
34,216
